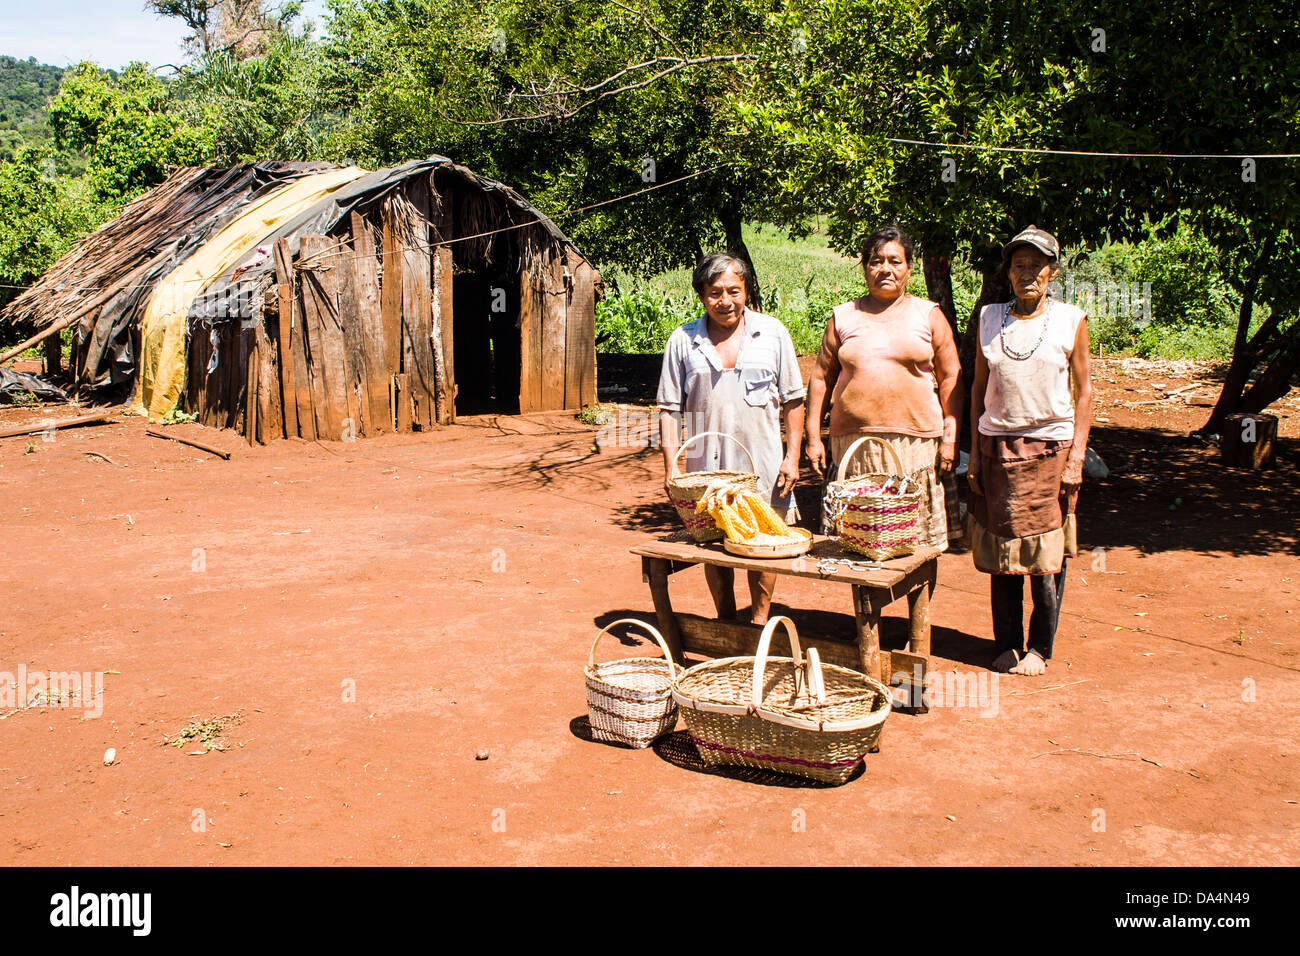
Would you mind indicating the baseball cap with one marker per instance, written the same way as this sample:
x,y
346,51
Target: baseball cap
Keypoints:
x,y
1040,239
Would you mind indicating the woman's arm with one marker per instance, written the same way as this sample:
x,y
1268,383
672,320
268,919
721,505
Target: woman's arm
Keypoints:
x,y
947,372
823,377
977,392
1081,384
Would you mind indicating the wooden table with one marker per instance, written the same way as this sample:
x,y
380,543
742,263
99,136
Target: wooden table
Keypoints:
x,y
877,586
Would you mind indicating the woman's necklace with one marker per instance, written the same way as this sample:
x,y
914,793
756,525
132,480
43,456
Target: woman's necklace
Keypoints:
x,y
1002,334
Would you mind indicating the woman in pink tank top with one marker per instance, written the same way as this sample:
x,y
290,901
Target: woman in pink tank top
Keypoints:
x,y
882,357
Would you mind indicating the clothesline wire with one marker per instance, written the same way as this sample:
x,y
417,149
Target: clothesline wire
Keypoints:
x,y
1090,153
1094,154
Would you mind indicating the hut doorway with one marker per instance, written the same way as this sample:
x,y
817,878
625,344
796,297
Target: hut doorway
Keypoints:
x,y
486,349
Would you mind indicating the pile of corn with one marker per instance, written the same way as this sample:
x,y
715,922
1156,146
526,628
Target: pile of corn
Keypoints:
x,y
742,514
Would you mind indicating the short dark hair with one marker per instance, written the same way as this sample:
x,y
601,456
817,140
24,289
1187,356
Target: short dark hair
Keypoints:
x,y
882,236
714,264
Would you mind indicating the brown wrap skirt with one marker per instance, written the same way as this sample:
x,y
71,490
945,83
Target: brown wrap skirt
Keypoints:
x,y
1021,524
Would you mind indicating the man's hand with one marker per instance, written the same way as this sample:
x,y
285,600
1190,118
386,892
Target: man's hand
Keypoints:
x,y
787,476
947,455
816,454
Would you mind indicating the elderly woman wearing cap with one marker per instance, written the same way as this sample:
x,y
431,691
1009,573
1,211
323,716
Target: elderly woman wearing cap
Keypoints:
x,y
734,371
1031,408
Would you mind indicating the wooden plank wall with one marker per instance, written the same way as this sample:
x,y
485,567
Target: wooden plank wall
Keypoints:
x,y
358,336
557,325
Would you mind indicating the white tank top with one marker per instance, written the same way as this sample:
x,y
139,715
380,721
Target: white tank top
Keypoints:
x,y
1029,396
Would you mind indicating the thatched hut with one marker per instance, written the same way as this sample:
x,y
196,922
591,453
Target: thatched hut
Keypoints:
x,y
322,301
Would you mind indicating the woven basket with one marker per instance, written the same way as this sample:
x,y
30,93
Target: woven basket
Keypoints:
x,y
868,522
791,715
685,490
630,701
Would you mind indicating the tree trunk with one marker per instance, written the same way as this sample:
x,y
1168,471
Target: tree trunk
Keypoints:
x,y
937,269
731,227
1244,358
993,288
1276,380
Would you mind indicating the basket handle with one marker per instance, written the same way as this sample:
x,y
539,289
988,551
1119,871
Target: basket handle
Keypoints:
x,y
760,655
673,666
848,455
816,683
685,444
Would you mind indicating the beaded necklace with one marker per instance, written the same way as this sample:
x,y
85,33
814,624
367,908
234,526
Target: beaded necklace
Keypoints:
x,y
1002,333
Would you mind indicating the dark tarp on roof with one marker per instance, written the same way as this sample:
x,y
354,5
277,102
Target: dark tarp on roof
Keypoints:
x,y
105,282
226,300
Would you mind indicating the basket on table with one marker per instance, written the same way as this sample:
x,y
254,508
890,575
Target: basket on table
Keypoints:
x,y
791,715
868,520
686,490
630,701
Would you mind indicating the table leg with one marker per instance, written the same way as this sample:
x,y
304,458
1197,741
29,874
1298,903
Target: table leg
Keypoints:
x,y
866,613
918,636
918,606
656,571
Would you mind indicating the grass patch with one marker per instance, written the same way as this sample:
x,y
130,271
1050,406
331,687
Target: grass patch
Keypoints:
x,y
210,733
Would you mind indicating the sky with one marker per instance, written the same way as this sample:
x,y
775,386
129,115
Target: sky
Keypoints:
x,y
111,33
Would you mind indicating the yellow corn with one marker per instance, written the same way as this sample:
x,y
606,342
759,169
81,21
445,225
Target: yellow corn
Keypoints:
x,y
765,516
744,529
722,517
746,512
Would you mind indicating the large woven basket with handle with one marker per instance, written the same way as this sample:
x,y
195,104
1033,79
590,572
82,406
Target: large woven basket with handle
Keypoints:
x,y
868,520
684,491
630,701
791,715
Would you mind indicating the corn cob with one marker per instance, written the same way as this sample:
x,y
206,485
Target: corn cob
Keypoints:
x,y
767,520
723,517
746,512
745,529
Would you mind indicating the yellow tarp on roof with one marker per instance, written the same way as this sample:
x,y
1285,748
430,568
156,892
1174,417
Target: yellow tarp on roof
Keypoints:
x,y
162,330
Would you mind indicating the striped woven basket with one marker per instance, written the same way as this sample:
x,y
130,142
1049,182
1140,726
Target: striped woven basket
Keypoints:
x,y
684,491
630,701
868,521
791,715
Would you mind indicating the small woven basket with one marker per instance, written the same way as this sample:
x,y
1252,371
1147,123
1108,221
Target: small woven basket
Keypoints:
x,y
790,715
630,701
868,521
684,491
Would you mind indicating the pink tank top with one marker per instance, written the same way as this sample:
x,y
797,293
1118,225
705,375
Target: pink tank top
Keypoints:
x,y
886,381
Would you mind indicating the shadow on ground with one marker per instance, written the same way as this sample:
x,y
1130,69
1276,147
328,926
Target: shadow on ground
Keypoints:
x,y
679,750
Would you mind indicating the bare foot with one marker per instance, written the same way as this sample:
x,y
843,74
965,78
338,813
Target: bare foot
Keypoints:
x,y
1007,662
1031,665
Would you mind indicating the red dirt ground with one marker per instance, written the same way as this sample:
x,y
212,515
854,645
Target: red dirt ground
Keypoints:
x,y
1163,732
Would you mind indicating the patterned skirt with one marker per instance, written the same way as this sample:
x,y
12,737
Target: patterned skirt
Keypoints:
x,y
918,456
1021,524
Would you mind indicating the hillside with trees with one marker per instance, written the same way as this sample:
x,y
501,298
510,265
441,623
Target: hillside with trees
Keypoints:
x,y
26,88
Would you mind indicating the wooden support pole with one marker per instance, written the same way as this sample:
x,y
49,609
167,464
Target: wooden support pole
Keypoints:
x,y
154,433
39,337
284,294
98,418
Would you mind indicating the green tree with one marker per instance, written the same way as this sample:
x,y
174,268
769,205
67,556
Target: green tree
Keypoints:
x,y
575,104
128,127
265,106
41,217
